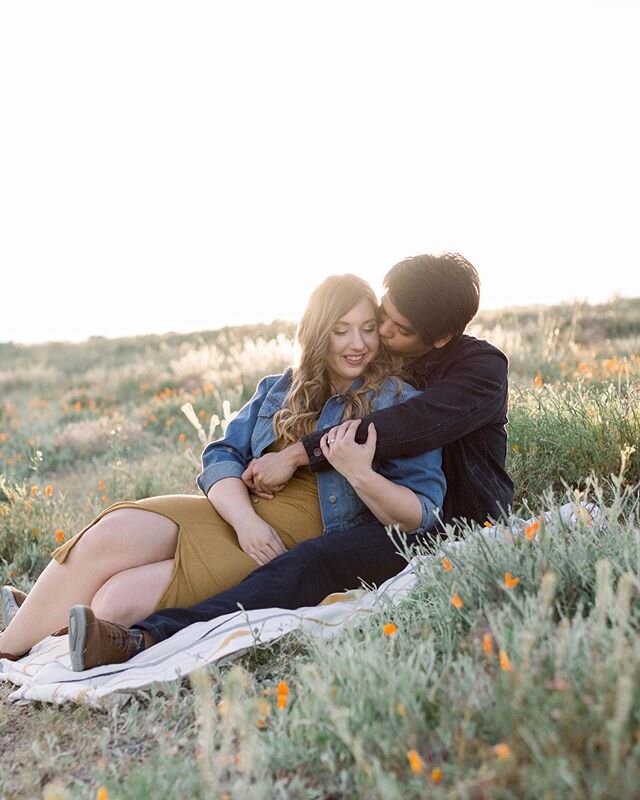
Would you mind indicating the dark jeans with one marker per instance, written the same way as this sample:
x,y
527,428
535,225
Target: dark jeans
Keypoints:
x,y
303,576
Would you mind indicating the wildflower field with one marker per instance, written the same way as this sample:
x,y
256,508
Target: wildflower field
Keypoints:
x,y
511,671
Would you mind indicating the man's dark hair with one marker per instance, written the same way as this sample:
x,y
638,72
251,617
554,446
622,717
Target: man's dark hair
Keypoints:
x,y
439,295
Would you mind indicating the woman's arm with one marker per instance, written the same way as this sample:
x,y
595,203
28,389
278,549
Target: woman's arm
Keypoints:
x,y
223,463
231,500
228,457
390,502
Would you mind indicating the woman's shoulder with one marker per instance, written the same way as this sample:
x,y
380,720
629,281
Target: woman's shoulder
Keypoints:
x,y
273,388
393,391
278,379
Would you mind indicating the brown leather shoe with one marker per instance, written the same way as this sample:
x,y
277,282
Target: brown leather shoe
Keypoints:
x,y
94,642
10,601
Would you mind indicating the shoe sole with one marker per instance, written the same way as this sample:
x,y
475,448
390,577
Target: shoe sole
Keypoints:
x,y
77,637
8,607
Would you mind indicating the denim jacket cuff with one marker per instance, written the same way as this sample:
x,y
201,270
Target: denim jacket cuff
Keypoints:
x,y
430,515
216,472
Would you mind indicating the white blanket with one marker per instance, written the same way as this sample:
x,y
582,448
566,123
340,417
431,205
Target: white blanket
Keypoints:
x,y
45,673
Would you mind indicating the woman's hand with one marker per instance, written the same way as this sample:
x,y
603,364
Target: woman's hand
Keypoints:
x,y
341,450
259,540
269,474
257,477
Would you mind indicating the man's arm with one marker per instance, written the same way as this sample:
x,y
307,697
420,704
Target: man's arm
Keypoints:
x,y
471,395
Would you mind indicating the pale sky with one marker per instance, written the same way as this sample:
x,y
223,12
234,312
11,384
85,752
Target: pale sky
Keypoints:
x,y
176,166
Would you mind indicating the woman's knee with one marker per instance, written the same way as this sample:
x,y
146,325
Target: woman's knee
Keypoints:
x,y
132,594
111,601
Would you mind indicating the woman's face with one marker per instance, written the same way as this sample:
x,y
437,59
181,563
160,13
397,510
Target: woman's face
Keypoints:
x,y
353,342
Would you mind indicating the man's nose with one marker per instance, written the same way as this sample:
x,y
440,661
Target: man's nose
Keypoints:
x,y
385,329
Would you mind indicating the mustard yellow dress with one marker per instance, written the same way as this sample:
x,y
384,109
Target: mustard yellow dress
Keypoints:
x,y
208,557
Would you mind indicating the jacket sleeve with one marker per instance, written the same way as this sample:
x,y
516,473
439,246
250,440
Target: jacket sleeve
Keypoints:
x,y
228,457
471,395
424,476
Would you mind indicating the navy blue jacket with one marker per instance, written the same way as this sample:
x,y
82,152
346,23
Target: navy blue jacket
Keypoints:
x,y
463,409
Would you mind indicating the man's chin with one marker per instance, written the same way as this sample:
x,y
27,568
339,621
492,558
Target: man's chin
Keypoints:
x,y
398,353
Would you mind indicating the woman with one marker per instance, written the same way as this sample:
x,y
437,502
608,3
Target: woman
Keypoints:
x,y
177,550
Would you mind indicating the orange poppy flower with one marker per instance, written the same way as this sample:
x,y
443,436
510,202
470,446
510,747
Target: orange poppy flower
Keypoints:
x,y
510,581
505,663
502,750
282,694
456,600
415,762
531,530
389,629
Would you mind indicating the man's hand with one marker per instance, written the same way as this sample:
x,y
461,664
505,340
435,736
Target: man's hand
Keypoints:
x,y
269,474
350,459
259,540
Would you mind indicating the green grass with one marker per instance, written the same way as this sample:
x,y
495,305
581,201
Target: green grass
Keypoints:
x,y
102,421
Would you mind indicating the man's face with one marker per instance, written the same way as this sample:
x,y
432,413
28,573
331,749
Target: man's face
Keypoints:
x,y
397,333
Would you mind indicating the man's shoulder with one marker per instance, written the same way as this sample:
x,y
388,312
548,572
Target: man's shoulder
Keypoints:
x,y
476,357
466,355
469,345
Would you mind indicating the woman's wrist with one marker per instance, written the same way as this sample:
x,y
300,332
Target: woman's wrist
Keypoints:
x,y
360,478
242,517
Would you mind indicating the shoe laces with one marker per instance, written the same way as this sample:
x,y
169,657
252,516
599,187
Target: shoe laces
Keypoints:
x,y
119,637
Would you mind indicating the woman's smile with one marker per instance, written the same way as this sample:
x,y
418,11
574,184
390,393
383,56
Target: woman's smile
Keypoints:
x,y
355,360
353,342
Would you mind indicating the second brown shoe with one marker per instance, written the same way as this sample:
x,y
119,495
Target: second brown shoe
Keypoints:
x,y
94,642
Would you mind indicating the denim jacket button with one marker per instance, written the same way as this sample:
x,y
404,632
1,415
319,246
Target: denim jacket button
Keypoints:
x,y
333,499
340,399
317,452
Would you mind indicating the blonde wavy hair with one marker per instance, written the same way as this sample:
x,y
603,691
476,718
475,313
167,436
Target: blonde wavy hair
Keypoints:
x,y
311,387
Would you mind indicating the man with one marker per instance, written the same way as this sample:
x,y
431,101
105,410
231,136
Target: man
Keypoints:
x,y
429,301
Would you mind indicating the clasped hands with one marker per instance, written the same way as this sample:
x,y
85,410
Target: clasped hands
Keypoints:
x,y
269,474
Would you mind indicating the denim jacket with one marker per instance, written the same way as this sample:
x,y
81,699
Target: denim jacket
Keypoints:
x,y
250,432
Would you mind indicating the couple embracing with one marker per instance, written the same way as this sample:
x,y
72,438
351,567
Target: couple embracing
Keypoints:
x,y
392,417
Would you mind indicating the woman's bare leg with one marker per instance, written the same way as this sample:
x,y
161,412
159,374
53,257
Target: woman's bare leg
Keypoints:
x,y
121,540
133,594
